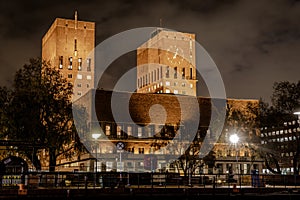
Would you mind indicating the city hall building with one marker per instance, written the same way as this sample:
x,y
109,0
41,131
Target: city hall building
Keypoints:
x,y
164,110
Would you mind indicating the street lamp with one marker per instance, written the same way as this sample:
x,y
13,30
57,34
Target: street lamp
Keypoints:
x,y
234,139
298,114
96,136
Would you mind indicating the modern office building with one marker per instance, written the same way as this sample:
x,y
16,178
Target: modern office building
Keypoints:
x,y
282,141
69,46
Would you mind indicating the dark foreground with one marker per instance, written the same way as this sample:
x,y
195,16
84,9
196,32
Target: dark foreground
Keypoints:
x,y
153,193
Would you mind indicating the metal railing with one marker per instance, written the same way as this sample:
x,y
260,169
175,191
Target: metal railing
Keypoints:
x,y
35,180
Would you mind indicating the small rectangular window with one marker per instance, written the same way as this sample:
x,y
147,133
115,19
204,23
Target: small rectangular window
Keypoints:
x,y
61,60
167,72
70,63
140,132
129,130
88,77
75,45
175,72
70,76
88,62
79,64
107,129
183,73
119,129
79,76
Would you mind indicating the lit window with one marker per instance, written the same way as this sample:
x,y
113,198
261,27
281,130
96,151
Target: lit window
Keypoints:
x,y
183,84
88,77
168,91
119,128
175,91
79,64
167,72
61,59
191,85
88,62
107,129
79,76
175,83
70,63
167,83
129,130
183,73
140,132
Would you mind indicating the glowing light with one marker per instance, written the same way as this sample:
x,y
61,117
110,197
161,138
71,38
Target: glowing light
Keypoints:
x,y
234,138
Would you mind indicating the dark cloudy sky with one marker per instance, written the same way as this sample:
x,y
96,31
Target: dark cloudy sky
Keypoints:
x,y
253,43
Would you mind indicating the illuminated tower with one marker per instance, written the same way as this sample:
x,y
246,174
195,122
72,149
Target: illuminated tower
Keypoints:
x,y
166,63
69,46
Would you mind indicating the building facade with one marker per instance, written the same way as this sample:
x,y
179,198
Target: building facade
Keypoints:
x,y
166,63
143,139
69,46
282,141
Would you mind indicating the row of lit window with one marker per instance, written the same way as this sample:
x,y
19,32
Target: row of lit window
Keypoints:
x,y
70,63
280,132
281,139
79,76
157,74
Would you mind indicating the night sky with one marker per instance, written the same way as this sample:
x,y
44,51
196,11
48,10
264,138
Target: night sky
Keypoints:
x,y
253,43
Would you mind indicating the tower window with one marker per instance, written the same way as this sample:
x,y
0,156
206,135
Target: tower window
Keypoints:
x,y
70,76
175,72
61,59
191,73
79,64
168,72
70,63
183,73
88,62
75,47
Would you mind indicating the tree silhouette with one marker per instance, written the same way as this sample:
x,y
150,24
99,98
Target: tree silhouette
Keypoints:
x,y
39,111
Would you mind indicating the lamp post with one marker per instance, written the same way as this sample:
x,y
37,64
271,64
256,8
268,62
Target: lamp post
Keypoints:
x,y
298,114
234,139
96,136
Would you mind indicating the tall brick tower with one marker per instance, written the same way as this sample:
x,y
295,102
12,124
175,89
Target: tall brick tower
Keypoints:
x,y
69,46
166,63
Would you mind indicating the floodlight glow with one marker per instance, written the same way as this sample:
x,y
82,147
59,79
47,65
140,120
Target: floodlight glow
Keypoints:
x,y
234,138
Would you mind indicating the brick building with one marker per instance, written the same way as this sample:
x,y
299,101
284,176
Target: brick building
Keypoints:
x,y
141,137
69,46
